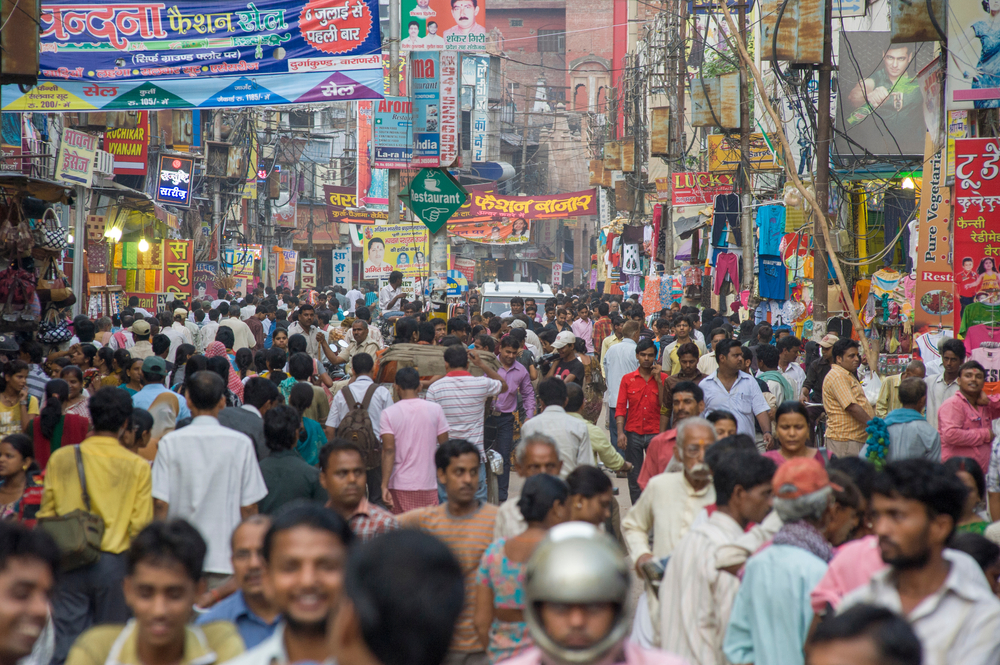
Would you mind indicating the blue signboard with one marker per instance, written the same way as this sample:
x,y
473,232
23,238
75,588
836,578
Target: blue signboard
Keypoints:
x,y
175,178
163,53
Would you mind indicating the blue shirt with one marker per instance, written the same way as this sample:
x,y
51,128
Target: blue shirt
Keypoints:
x,y
772,613
771,222
745,400
144,398
252,628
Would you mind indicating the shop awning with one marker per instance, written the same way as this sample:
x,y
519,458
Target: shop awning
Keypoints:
x,y
46,190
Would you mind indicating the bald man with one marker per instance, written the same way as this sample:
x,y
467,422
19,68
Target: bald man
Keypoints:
x,y
888,396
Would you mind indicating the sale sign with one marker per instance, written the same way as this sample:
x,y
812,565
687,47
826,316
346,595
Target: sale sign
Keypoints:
x,y
694,188
977,231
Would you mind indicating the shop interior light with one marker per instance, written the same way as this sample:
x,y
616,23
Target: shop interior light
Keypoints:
x,y
69,238
908,183
143,245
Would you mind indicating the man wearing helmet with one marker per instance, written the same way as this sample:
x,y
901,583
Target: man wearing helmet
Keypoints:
x,y
576,588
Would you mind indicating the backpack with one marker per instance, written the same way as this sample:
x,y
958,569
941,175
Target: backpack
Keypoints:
x,y
356,427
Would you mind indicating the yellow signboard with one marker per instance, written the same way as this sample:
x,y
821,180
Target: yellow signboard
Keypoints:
x,y
724,153
402,247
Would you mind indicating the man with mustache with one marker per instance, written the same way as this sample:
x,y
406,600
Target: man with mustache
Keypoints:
x,y
667,507
465,13
305,552
941,592
249,609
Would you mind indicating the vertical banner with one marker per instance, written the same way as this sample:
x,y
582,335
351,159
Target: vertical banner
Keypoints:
x,y
178,267
557,270
286,267
424,66
450,118
480,117
76,158
977,231
401,247
393,133
283,210
204,278
130,146
342,267
308,273
935,288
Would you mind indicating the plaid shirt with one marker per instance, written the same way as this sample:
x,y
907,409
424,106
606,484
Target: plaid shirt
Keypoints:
x,y
840,390
602,329
369,521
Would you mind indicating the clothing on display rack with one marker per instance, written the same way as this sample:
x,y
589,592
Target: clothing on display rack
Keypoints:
x,y
927,346
726,215
630,259
633,234
990,360
772,277
976,335
771,222
885,281
977,313
726,265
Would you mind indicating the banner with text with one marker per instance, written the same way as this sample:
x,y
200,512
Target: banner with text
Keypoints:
x,y
456,25
935,285
340,200
178,267
573,204
977,228
307,273
77,157
694,188
402,247
130,146
342,267
495,231
393,133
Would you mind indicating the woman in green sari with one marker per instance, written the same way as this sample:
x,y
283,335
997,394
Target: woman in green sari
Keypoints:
x,y
50,430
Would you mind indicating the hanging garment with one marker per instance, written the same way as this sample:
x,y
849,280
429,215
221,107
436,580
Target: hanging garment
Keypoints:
x,y
976,335
772,277
885,281
633,234
861,290
771,222
761,312
635,284
990,360
630,259
977,313
727,265
726,214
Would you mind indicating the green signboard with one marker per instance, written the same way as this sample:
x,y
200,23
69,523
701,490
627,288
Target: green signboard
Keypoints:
x,y
435,196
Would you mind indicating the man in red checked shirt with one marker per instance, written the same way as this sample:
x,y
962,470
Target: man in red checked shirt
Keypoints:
x,y
638,410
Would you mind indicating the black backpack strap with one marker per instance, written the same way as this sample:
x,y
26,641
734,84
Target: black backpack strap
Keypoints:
x,y
368,395
349,398
83,476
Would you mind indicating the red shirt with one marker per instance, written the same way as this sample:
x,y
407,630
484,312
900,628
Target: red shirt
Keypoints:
x,y
602,328
639,402
658,455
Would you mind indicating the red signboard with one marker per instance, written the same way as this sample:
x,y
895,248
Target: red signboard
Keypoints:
x,y
977,231
130,146
574,204
694,188
178,267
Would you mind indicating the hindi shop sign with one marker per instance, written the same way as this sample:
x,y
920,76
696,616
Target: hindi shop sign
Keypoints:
x,y
342,267
173,186
977,226
130,146
77,157
393,133
435,196
178,267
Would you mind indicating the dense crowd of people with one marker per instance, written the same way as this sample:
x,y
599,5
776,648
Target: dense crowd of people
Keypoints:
x,y
278,477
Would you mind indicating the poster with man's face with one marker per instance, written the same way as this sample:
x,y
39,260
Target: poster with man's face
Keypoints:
x,y
880,104
446,25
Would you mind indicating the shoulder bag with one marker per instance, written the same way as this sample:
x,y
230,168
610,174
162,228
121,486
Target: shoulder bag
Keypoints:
x,y
78,534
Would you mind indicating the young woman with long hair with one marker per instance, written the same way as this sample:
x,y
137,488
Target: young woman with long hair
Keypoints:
x,y
52,429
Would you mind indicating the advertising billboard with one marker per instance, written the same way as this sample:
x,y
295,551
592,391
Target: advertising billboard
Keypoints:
x,y
443,25
393,133
424,68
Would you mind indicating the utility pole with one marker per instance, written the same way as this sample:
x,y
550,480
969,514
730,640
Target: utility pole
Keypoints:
x,y
820,280
745,198
217,185
393,91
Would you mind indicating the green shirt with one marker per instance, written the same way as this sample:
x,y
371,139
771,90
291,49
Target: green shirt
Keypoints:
x,y
288,477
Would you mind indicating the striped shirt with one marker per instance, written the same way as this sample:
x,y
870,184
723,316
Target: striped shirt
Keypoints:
x,y
467,537
462,397
841,389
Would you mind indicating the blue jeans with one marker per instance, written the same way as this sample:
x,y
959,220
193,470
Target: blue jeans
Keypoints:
x,y
480,492
613,428
502,428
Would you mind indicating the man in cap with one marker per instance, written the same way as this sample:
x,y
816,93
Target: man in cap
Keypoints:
x,y
569,369
576,592
812,387
180,325
772,612
140,333
154,376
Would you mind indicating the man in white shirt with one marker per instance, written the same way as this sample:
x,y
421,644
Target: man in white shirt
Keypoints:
x,y
242,336
362,364
133,302
316,340
707,363
695,596
570,434
618,361
948,602
175,335
249,309
789,348
208,475
392,293
180,325
942,386
353,296
463,398
207,333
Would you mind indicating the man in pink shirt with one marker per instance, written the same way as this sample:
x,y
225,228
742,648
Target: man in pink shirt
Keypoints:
x,y
583,327
412,428
851,567
965,420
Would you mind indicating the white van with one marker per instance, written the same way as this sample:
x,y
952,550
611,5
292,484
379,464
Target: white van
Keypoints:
x,y
495,296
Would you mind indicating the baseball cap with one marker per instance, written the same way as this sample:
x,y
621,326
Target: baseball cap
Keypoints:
x,y
140,328
565,338
154,365
828,341
180,311
800,476
518,323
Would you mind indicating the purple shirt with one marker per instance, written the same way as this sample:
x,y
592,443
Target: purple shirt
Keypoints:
x,y
516,378
585,331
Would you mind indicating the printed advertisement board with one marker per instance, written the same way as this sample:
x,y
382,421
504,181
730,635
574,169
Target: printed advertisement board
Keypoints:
x,y
402,247
450,89
935,276
973,34
443,25
175,181
130,146
393,133
694,188
573,204
178,267
338,202
977,231
103,56
342,267
424,68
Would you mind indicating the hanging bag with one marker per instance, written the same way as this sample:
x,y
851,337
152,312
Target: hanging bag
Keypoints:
x,y
78,534
50,235
53,329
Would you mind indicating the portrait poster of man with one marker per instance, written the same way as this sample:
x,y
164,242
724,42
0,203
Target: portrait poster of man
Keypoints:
x,y
973,55
880,104
447,25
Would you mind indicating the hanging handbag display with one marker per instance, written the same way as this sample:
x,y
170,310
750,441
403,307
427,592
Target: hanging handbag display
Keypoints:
x,y
50,235
77,534
53,329
53,285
